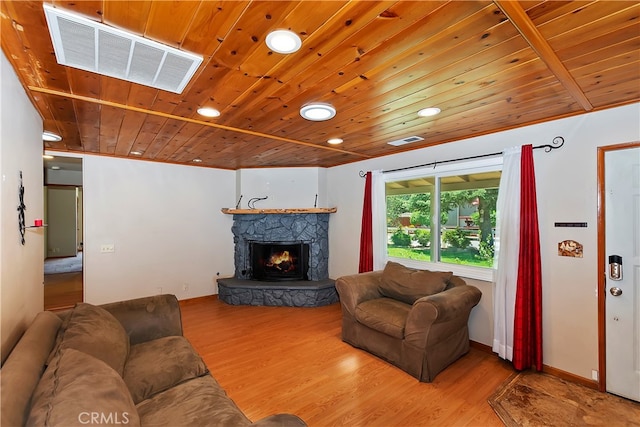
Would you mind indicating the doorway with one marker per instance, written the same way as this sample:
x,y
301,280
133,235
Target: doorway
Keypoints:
x,y
63,248
618,269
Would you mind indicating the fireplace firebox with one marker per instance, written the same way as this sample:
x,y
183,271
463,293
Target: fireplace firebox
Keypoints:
x,y
279,261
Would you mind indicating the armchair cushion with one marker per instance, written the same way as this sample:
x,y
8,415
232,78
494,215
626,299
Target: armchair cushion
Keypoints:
x,y
385,315
409,284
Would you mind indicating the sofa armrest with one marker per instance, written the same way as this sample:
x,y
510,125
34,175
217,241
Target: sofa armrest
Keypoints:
x,y
357,288
436,317
148,318
280,420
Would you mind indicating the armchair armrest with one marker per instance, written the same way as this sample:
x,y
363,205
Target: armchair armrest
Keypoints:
x,y
436,317
148,318
357,288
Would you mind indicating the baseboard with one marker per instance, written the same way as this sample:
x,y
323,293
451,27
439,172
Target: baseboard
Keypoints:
x,y
559,373
198,299
482,347
570,377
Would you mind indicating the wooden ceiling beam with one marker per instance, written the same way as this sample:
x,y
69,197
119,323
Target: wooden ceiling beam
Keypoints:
x,y
188,120
519,18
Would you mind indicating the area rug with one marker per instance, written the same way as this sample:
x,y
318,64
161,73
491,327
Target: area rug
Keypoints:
x,y
70,264
534,399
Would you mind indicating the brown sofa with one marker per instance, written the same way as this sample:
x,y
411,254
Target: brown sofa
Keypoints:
x,y
414,319
125,363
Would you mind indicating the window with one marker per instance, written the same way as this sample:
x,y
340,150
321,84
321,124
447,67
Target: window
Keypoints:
x,y
444,219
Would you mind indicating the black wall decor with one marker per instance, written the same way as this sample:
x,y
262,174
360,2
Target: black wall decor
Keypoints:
x,y
21,209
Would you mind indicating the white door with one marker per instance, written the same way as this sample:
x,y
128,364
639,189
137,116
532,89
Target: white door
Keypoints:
x,y
62,220
622,211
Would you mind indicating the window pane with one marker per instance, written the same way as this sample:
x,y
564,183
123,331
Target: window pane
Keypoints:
x,y
467,218
462,229
409,214
409,226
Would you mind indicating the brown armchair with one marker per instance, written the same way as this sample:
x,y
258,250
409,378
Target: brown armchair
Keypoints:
x,y
421,337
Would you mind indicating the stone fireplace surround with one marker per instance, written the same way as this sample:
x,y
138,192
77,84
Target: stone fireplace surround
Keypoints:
x,y
306,228
280,225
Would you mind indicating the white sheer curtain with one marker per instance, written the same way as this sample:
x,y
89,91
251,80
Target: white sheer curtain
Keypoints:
x,y
379,219
507,248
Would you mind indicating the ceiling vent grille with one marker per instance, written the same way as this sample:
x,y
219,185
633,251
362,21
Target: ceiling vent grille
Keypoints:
x,y
407,140
91,46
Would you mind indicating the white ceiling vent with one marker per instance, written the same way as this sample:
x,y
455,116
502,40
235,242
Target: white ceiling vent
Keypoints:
x,y
407,140
82,43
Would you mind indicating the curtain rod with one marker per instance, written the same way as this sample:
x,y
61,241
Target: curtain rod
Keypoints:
x,y
556,143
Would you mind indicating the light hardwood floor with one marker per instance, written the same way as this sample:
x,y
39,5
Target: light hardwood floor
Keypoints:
x,y
62,290
284,359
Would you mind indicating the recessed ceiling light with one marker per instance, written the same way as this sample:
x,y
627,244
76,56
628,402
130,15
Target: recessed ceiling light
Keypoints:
x,y
283,41
50,136
136,153
318,112
427,112
47,156
197,160
208,112
335,141
55,168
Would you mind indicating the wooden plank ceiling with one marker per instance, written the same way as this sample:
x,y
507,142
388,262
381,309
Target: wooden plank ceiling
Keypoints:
x,y
489,66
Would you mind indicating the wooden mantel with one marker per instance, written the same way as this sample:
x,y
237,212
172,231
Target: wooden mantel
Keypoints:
x,y
278,211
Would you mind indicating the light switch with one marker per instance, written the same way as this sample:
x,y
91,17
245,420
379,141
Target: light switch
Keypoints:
x,y
107,248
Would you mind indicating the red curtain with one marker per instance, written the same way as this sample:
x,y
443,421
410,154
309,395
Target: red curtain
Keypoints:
x,y
527,332
366,232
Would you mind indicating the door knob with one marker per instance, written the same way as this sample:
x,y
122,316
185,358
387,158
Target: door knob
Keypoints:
x,y
615,291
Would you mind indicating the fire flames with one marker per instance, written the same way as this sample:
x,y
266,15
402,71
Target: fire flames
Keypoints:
x,y
282,261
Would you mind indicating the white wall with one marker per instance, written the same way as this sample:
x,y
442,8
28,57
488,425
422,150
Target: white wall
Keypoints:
x,y
285,187
567,192
21,267
165,224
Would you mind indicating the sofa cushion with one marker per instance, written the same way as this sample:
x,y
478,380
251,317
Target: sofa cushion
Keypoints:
x,y
157,365
280,420
197,402
94,331
409,284
385,315
78,389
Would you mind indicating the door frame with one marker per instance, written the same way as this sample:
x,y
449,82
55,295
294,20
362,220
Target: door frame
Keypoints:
x,y
602,273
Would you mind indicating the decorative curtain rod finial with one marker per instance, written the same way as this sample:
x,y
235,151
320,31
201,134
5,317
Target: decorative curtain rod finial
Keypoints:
x,y
557,142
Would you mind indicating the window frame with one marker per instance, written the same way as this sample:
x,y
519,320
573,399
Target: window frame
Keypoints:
x,y
437,172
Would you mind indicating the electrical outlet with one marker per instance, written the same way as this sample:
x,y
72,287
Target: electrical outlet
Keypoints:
x,y
594,375
108,248
185,287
